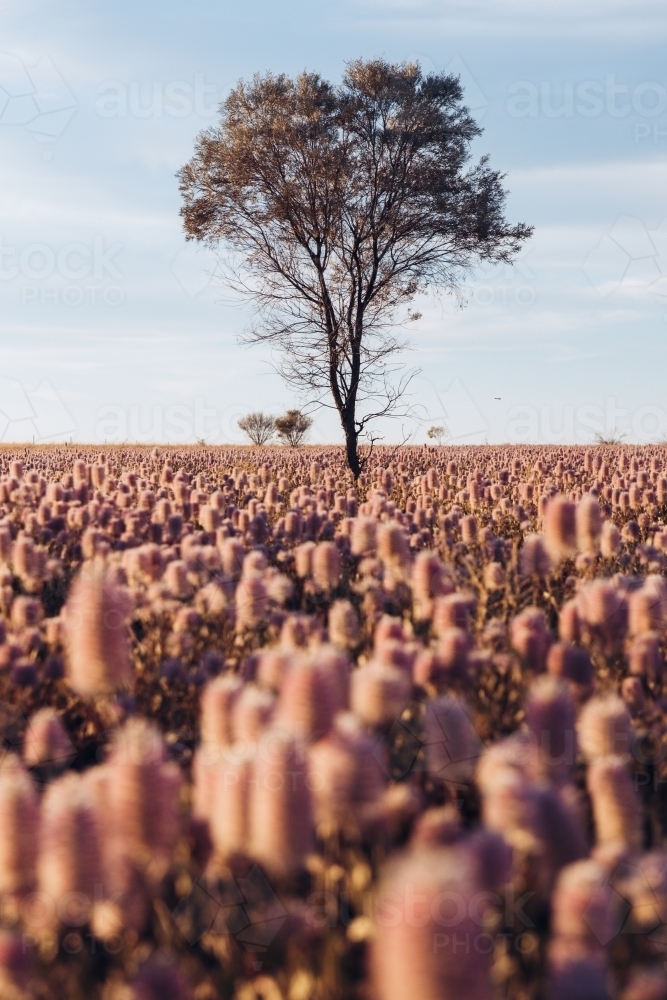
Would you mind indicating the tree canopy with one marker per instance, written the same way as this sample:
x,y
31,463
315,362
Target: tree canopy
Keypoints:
x,y
334,206
259,427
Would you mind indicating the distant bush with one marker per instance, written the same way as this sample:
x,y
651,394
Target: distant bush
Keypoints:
x,y
437,433
259,427
292,427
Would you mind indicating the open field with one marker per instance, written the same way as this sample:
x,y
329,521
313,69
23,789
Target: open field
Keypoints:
x,y
271,733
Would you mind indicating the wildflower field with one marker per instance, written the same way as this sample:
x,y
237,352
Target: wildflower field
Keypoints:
x,y
271,733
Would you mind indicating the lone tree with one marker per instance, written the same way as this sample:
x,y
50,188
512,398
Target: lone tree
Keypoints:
x,y
293,426
436,433
259,427
334,207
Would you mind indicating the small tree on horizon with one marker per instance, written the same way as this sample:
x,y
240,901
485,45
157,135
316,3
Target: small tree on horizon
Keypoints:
x,y
259,427
436,433
292,427
335,206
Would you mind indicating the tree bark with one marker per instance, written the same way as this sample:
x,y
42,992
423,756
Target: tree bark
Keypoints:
x,y
351,438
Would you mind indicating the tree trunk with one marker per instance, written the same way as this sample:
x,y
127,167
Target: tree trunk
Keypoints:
x,y
351,445
345,396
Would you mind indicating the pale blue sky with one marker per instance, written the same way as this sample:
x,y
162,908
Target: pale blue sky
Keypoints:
x,y
111,327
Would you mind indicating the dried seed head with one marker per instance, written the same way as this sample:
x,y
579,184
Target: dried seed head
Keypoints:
x,y
186,620
142,795
452,611
610,540
292,524
344,628
489,853
217,706
303,559
646,607
27,612
617,810
307,701
272,666
96,632
509,807
530,639
493,857
572,664
605,728
378,695
209,518
364,536
335,664
271,497
452,652
513,757
251,606
632,693
296,632
280,810
333,770
404,960
535,560
560,529
569,624
644,659
550,718
232,554
176,579
603,611
254,565
150,561
393,547
279,588
582,906
429,578
251,714
345,776
46,740
232,780
468,528
494,576
537,819
162,512
19,821
5,544
326,566
23,556
80,472
69,864
205,773
589,524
